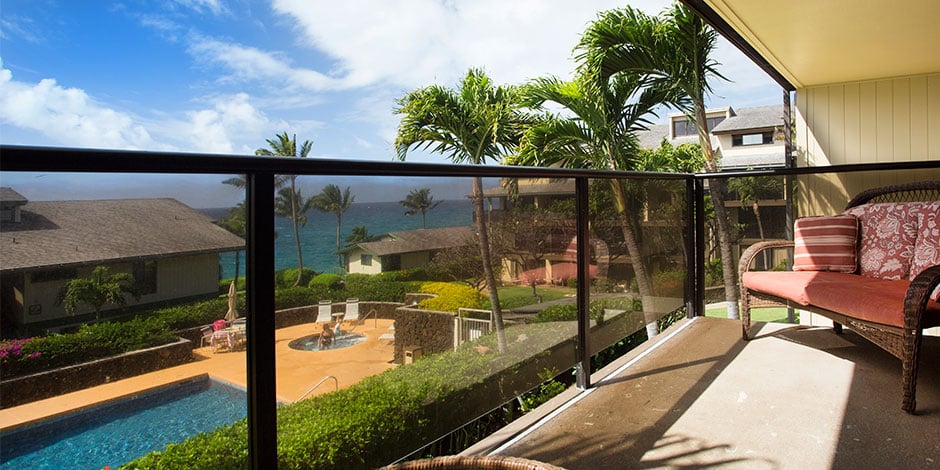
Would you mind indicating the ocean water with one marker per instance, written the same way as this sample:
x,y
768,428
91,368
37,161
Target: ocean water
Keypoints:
x,y
318,237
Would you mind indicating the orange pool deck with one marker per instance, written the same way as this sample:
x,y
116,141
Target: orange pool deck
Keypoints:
x,y
297,372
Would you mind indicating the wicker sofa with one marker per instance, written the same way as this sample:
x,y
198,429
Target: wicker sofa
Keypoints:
x,y
878,299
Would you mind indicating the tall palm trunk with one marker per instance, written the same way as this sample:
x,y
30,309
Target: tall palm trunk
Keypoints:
x,y
339,223
487,259
293,218
716,188
755,207
643,284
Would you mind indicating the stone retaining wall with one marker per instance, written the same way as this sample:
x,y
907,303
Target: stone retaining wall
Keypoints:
x,y
19,390
431,331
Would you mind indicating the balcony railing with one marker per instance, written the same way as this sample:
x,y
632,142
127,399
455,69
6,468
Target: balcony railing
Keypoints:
x,y
674,241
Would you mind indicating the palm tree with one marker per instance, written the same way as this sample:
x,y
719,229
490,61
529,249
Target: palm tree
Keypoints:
x,y
235,223
674,51
96,291
476,123
286,146
419,201
332,199
359,234
600,134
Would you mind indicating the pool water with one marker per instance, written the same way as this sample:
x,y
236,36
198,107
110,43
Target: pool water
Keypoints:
x,y
116,433
310,343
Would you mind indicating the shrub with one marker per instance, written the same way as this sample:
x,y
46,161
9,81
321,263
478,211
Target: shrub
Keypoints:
x,y
299,296
569,312
225,283
412,274
669,283
19,357
450,297
287,277
195,314
330,281
377,288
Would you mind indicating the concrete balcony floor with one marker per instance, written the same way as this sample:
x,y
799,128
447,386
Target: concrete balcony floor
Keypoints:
x,y
699,396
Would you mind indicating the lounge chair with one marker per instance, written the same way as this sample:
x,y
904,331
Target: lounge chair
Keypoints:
x,y
206,336
324,311
352,310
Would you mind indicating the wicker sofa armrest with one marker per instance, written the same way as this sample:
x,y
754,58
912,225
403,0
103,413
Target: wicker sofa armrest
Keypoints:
x,y
918,294
747,258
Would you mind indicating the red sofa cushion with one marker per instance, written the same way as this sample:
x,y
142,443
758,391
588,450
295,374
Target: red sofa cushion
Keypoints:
x,y
825,243
927,245
870,299
888,233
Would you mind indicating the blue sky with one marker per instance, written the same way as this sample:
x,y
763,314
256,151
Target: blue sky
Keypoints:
x,y
220,76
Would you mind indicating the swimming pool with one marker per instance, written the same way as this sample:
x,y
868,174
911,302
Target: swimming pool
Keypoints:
x,y
310,343
116,433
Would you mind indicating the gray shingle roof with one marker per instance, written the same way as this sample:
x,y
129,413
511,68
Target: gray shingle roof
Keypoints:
x,y
411,241
69,233
653,137
8,195
761,117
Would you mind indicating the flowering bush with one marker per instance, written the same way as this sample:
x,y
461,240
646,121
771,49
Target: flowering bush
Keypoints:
x,y
450,297
19,354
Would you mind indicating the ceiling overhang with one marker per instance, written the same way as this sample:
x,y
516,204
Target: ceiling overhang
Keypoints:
x,y
805,43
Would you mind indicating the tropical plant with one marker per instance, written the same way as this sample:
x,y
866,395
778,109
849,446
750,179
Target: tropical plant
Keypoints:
x,y
359,234
605,112
751,190
100,289
473,124
285,146
419,201
235,223
675,51
336,201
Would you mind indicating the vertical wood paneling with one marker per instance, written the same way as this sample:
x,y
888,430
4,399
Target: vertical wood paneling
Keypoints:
x,y
837,131
901,113
884,108
933,117
866,122
852,123
919,133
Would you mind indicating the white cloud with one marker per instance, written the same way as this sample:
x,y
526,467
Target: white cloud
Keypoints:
x,y
252,64
67,116
411,43
224,127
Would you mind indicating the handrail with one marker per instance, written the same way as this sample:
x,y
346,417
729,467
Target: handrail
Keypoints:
x,y
308,392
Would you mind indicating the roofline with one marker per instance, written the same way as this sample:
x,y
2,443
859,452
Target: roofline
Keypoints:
x,y
120,260
701,8
747,129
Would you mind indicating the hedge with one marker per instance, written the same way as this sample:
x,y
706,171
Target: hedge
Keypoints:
x,y
95,341
371,423
450,297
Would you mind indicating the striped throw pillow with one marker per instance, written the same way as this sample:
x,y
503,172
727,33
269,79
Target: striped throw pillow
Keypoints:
x,y
825,243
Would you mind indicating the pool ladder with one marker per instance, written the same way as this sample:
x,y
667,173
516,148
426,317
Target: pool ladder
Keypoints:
x,y
308,392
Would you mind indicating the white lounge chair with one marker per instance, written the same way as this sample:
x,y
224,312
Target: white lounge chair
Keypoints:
x,y
352,310
324,311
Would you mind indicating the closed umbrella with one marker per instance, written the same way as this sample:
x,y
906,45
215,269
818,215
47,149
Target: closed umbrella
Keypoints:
x,y
232,313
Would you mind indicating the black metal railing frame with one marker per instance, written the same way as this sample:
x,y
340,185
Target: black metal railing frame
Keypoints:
x,y
261,372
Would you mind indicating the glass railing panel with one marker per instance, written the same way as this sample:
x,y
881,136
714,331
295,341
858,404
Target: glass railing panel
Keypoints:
x,y
638,230
389,342
110,288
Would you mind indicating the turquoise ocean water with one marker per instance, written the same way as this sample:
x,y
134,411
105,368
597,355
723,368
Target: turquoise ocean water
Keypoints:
x,y
318,237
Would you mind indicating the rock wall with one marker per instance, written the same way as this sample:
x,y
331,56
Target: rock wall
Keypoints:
x,y
431,331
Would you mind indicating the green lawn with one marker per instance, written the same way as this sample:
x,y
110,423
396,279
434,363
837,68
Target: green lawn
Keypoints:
x,y
518,296
776,315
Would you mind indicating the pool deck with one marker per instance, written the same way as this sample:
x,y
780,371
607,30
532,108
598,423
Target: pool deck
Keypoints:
x,y
297,372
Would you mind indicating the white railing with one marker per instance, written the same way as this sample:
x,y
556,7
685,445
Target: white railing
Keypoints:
x,y
470,329
308,392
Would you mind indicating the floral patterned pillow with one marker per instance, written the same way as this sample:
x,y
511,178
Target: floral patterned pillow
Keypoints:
x,y
888,231
927,246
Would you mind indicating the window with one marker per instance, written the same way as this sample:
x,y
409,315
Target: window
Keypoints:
x,y
145,276
51,275
762,138
683,126
365,260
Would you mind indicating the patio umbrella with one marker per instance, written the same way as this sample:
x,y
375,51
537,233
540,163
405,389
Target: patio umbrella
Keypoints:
x,y
232,313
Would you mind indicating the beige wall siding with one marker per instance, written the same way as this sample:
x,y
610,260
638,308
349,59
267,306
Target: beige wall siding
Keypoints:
x,y
356,266
176,278
890,120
